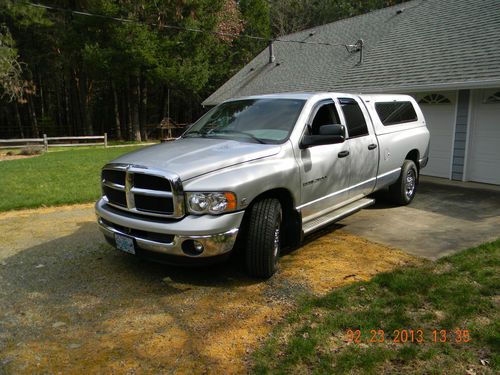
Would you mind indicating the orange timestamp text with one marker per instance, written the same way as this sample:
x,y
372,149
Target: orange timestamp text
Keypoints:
x,y
402,336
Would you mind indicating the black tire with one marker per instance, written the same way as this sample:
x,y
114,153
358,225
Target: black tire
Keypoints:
x,y
404,189
263,239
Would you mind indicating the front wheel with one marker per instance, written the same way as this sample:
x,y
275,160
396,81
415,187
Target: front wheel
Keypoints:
x,y
263,240
403,190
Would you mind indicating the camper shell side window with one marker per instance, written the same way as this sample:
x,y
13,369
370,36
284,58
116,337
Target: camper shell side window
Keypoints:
x,y
396,112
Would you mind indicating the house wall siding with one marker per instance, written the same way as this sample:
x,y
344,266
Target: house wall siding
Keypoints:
x,y
457,169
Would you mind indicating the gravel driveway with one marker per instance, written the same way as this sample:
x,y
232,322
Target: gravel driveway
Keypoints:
x,y
69,303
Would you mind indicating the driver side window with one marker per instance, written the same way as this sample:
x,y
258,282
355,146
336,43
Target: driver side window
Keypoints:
x,y
326,115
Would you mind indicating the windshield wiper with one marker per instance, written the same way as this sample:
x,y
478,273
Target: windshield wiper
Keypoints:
x,y
239,132
195,132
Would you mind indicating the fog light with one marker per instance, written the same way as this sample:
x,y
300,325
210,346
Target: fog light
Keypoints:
x,y
198,247
192,247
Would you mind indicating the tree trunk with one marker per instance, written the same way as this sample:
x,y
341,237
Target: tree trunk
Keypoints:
x,y
67,99
134,107
126,119
17,119
190,106
85,93
5,122
49,108
88,99
75,114
163,104
32,115
42,96
118,129
130,127
67,112
143,107
58,111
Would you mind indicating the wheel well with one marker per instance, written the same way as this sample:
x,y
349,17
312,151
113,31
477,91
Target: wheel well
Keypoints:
x,y
414,155
292,221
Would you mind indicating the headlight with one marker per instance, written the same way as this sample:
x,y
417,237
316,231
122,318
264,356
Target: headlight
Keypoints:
x,y
210,203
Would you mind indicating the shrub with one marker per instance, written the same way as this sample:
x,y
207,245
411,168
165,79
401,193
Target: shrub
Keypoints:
x,y
31,150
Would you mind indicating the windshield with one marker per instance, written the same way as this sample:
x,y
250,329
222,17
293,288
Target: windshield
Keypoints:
x,y
250,120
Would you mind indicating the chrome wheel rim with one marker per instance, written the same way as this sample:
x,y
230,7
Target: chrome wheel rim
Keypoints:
x,y
276,241
410,183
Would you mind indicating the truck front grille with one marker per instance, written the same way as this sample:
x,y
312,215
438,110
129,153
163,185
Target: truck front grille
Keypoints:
x,y
153,204
115,196
144,181
116,177
143,191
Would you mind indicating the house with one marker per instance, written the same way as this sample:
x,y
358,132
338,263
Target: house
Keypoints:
x,y
446,53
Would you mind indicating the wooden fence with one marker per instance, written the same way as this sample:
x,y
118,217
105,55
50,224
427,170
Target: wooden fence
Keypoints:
x,y
45,141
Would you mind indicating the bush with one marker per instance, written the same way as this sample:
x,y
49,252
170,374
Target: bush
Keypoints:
x,y
10,153
31,150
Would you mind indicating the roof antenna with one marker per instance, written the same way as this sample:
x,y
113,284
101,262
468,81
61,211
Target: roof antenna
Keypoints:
x,y
271,53
359,43
357,47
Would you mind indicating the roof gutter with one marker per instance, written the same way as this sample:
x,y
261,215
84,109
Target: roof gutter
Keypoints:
x,y
429,87
404,89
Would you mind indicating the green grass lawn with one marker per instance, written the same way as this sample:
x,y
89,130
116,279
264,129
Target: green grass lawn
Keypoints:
x,y
459,294
55,178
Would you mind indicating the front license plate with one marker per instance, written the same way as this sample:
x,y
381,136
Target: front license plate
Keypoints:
x,y
124,243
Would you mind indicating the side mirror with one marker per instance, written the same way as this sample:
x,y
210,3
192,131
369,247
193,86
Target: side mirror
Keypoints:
x,y
328,134
334,129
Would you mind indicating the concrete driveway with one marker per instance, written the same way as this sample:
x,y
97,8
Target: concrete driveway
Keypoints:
x,y
444,217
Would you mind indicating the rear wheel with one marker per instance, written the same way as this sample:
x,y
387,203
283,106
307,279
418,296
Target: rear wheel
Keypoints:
x,y
404,189
263,240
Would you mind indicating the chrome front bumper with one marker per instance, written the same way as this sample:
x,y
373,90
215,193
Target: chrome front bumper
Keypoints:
x,y
217,234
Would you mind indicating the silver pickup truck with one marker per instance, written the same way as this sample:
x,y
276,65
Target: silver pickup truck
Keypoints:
x,y
258,173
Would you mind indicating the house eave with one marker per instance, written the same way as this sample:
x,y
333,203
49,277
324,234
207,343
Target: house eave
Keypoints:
x,y
463,85
431,87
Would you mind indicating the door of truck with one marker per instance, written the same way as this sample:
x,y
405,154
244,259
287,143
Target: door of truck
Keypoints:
x,y
363,146
324,169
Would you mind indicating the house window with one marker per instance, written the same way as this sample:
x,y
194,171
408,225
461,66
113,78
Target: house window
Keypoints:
x,y
355,120
435,99
394,113
493,98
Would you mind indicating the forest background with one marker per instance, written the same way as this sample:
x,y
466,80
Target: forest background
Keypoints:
x,y
125,66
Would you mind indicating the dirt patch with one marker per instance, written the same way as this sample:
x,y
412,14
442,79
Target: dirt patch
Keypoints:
x,y
70,303
4,157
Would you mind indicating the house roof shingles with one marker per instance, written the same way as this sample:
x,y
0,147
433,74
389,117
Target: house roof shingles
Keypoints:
x,y
431,43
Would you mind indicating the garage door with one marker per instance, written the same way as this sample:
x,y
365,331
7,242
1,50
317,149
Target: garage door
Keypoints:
x,y
484,156
439,112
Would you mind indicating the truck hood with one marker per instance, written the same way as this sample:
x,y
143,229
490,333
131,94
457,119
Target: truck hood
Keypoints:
x,y
191,157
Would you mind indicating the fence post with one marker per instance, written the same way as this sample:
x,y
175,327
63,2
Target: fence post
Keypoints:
x,y
45,143
105,139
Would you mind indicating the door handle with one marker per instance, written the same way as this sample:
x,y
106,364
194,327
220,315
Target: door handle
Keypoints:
x,y
343,154
373,146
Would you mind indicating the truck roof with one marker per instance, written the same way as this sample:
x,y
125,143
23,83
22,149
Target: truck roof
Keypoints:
x,y
283,95
308,95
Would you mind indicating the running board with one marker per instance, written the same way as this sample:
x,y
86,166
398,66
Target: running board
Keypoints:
x,y
337,215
